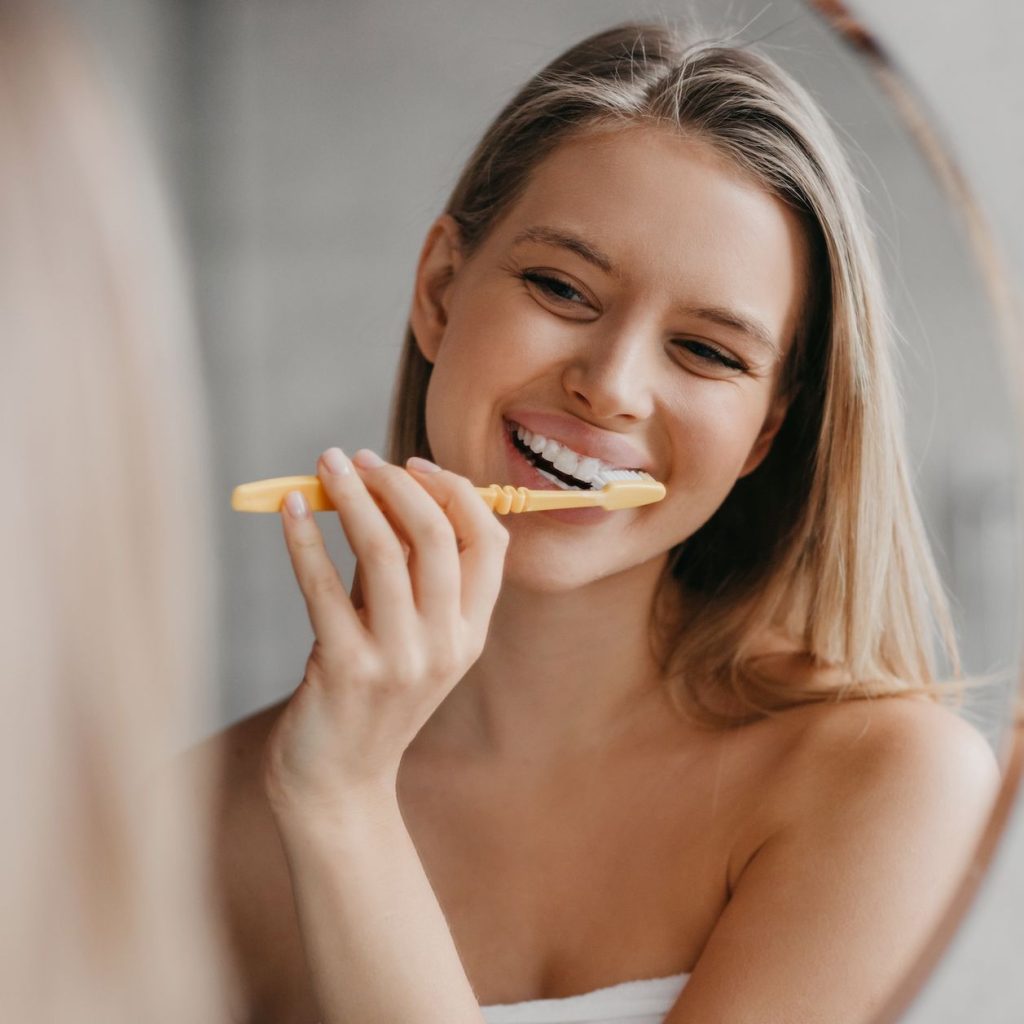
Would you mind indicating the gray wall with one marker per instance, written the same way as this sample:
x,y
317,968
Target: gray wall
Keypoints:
x,y
310,144
325,139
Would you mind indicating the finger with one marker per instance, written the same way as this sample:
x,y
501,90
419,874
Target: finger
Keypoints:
x,y
388,608
482,541
356,590
433,565
331,612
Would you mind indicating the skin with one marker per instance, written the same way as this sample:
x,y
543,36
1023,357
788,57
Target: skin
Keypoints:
x,y
478,793
567,652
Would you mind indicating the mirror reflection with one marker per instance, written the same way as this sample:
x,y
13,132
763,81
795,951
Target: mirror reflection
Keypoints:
x,y
306,231
606,757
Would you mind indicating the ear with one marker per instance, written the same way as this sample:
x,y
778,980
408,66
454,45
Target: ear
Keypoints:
x,y
770,427
440,260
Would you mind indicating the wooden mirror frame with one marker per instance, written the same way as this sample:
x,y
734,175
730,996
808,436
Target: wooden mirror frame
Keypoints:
x,y
911,110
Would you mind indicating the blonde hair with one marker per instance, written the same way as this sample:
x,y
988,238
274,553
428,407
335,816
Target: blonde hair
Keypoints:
x,y
823,544
106,588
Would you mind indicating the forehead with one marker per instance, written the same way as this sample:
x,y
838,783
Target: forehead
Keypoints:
x,y
678,221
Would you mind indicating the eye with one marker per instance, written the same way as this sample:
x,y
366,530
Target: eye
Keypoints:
x,y
709,358
554,287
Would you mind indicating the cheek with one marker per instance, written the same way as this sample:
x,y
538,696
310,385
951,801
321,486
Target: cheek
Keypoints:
x,y
487,335
715,433
481,361
492,350
452,415
515,325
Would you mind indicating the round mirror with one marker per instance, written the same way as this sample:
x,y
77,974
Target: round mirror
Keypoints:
x,y
313,144
961,985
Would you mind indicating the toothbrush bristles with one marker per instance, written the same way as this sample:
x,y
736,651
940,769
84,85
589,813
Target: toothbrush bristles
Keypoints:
x,y
610,476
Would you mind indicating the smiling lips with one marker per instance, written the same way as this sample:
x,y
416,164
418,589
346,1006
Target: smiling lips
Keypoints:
x,y
580,468
581,439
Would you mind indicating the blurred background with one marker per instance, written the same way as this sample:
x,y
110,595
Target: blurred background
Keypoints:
x,y
309,144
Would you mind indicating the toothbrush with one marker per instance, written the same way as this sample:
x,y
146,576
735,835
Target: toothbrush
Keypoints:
x,y
616,489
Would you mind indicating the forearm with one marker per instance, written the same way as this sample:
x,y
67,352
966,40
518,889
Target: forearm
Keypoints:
x,y
378,946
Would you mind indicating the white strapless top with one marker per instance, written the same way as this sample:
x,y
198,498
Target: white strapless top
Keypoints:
x,y
630,1002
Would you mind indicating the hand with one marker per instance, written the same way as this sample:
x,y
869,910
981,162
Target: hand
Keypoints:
x,y
429,556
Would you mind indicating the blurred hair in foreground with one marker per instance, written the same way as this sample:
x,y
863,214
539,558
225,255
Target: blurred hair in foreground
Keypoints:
x,y
106,593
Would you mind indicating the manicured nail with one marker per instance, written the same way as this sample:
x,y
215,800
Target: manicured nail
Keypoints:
x,y
336,461
421,465
296,504
366,459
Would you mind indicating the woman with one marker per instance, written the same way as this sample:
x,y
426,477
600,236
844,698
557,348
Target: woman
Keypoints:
x,y
103,605
618,766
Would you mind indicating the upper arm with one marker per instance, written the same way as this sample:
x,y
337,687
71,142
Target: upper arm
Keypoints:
x,y
828,914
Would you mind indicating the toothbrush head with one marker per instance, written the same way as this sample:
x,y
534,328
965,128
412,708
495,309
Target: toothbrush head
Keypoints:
x,y
629,489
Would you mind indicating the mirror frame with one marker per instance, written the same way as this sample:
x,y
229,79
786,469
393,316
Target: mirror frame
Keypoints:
x,y
911,110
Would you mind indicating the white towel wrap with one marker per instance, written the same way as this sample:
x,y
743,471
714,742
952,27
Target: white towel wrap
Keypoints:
x,y
646,1001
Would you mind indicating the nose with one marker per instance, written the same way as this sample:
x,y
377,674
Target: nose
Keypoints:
x,y
612,372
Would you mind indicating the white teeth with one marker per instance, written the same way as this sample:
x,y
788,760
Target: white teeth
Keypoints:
x,y
564,459
550,450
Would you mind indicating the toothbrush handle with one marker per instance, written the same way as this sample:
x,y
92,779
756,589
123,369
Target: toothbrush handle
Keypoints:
x,y
267,495
506,499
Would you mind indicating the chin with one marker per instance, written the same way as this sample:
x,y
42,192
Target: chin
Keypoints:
x,y
553,575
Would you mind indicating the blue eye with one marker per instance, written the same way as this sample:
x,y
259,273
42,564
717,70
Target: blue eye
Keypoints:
x,y
553,286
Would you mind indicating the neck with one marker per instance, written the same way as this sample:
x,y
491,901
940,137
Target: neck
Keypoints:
x,y
562,675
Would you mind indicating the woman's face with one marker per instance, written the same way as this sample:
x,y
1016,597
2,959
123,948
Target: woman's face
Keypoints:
x,y
606,309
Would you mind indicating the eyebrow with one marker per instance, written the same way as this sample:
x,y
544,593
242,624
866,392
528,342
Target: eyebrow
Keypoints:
x,y
754,329
567,240
720,315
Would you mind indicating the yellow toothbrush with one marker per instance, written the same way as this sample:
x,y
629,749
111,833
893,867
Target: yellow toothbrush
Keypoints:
x,y
623,488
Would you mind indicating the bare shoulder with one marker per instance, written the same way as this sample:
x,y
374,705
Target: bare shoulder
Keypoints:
x,y
243,821
250,871
893,747
239,750
873,812
893,763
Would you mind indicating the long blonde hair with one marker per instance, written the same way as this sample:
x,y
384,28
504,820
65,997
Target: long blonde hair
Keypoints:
x,y
105,593
823,544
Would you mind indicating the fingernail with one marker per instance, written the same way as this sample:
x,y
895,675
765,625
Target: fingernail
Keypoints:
x,y
366,459
336,461
296,504
421,465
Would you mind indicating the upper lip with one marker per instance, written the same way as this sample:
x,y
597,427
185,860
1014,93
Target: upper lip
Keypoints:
x,y
582,438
